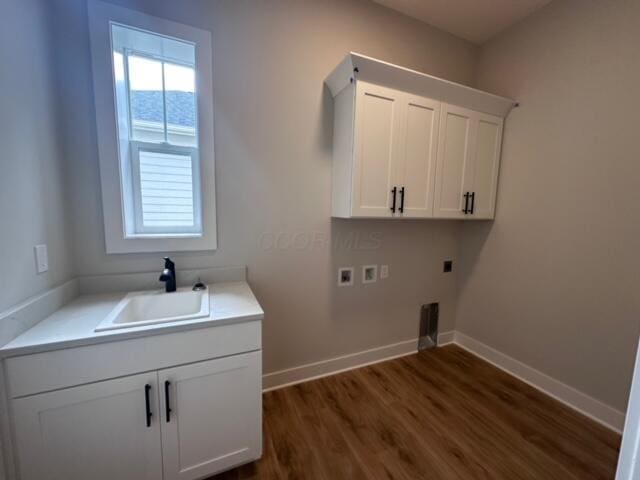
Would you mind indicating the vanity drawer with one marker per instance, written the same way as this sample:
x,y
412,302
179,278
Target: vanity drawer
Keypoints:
x,y
41,372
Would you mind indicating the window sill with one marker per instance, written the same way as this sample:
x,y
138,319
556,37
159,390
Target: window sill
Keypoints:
x,y
148,243
162,236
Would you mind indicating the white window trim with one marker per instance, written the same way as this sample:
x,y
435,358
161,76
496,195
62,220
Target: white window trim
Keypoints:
x,y
100,16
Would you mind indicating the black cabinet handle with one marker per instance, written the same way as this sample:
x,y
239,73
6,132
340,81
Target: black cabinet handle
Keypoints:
x,y
147,389
401,209
393,205
167,407
465,210
473,202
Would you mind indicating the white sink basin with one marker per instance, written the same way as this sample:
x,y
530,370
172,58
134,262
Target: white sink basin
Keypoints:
x,y
151,307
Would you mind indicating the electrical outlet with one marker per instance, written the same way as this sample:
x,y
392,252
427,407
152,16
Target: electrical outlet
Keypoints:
x,y
345,276
42,258
384,271
369,274
448,266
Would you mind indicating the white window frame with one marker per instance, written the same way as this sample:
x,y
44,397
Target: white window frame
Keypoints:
x,y
101,16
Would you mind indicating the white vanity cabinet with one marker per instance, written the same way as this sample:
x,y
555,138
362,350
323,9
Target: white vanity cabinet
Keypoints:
x,y
410,145
95,431
82,413
211,416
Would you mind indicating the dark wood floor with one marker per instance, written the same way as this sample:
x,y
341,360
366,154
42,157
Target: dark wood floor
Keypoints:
x,y
440,414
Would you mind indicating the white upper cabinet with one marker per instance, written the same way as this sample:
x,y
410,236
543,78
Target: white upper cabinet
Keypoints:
x,y
377,149
488,142
409,145
454,167
420,140
468,163
385,164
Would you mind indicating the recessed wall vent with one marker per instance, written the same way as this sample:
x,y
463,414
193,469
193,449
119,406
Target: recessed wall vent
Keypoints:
x,y
428,326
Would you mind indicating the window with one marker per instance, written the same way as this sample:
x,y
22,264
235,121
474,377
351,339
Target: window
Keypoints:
x,y
155,119
155,89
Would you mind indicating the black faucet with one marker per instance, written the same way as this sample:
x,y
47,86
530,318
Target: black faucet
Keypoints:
x,y
168,275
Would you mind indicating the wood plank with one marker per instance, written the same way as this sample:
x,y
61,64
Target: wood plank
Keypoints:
x,y
527,411
439,414
478,427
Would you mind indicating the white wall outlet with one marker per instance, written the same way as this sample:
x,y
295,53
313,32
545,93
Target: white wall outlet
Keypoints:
x,y
369,273
42,258
384,271
345,276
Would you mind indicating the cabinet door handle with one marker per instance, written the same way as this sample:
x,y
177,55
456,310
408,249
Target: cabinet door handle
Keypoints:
x,y
167,407
473,202
401,209
147,389
465,210
393,205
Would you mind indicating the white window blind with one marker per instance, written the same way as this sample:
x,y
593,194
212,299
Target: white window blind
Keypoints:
x,y
166,190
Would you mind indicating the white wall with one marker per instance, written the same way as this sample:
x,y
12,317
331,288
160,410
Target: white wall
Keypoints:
x,y
553,282
32,192
273,137
32,188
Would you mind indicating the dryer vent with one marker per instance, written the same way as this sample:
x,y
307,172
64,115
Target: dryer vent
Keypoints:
x,y
428,326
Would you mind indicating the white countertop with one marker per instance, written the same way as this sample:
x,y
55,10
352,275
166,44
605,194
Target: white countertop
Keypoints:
x,y
74,324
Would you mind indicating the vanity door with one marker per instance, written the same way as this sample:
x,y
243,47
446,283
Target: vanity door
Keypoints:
x,y
211,416
101,431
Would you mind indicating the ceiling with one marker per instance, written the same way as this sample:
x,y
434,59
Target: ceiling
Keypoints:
x,y
474,20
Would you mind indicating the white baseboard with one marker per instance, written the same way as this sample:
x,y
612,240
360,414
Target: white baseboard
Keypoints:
x,y
324,368
592,408
445,338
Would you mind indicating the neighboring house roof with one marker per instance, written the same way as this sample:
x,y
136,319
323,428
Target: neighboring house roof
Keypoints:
x,y
181,107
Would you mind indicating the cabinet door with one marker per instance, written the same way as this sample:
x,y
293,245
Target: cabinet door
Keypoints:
x,y
486,164
97,431
377,144
421,120
454,169
215,420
